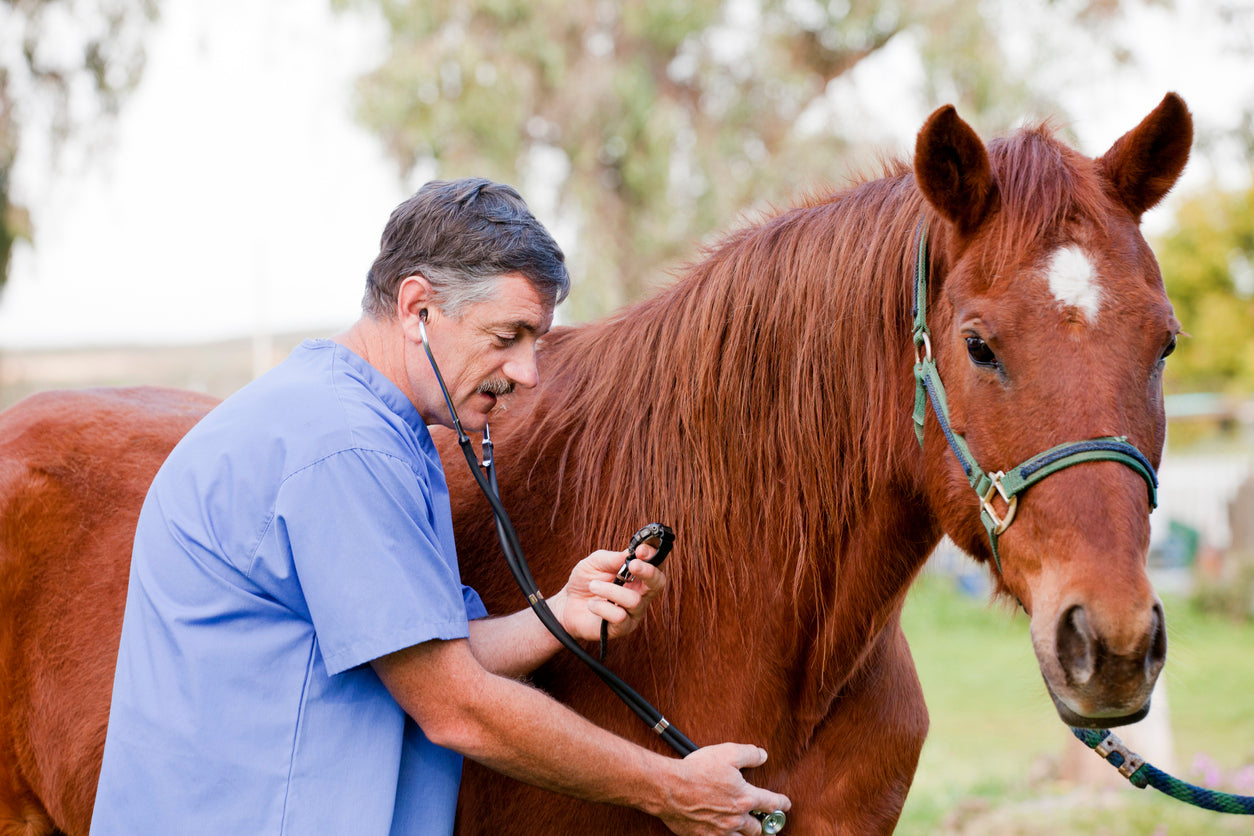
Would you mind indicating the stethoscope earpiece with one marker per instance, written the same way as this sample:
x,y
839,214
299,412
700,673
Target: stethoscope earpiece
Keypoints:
x,y
448,400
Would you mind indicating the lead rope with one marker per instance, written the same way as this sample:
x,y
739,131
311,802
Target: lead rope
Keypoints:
x,y
484,474
1141,775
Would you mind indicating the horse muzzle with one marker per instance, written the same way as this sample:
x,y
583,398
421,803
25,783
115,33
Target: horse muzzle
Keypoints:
x,y
1101,672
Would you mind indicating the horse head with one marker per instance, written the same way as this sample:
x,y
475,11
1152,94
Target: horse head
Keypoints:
x,y
1049,325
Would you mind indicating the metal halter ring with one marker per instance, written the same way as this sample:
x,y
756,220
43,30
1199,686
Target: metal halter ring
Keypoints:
x,y
925,343
986,503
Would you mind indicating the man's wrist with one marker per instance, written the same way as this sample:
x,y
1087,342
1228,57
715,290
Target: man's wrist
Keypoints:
x,y
557,605
650,790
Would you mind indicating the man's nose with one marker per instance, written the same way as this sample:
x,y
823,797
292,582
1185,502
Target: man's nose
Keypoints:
x,y
522,370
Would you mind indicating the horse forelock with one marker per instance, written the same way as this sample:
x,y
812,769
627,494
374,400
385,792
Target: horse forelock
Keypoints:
x,y
1048,191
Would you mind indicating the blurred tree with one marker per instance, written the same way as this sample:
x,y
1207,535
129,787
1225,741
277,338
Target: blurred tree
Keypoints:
x,y
663,118
64,64
1208,266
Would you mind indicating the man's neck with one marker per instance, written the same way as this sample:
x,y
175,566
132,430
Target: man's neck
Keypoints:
x,y
382,344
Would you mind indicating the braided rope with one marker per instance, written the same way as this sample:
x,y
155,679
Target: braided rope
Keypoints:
x,y
1142,775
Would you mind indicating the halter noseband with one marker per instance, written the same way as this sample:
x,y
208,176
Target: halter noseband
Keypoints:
x,y
1009,484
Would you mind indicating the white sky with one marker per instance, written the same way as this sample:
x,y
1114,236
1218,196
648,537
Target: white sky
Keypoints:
x,y
239,196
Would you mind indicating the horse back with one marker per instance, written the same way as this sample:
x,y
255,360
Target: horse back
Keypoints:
x,y
74,469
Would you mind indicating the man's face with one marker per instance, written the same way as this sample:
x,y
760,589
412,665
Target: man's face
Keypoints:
x,y
489,349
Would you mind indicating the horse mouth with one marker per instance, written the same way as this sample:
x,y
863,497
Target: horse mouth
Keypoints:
x,y
1104,721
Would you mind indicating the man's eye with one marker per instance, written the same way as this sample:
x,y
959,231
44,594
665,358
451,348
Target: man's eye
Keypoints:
x,y
504,340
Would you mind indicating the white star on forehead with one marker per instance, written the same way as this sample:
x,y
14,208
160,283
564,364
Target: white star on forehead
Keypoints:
x,y
1073,281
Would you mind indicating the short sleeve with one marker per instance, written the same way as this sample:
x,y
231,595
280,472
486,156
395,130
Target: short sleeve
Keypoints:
x,y
374,572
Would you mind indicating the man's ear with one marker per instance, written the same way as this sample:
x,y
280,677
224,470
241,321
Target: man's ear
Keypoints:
x,y
415,299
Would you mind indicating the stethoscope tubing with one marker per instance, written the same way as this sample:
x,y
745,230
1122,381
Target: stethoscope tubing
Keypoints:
x,y
484,473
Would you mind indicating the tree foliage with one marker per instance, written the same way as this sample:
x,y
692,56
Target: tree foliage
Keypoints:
x,y
663,118
1208,266
64,64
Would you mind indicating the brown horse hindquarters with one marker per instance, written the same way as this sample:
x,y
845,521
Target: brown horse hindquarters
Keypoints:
x,y
74,469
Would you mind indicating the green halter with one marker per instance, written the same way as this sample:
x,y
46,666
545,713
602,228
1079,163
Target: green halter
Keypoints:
x,y
1009,484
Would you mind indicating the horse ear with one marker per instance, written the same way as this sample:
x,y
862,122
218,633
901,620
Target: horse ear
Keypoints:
x,y
953,171
1145,163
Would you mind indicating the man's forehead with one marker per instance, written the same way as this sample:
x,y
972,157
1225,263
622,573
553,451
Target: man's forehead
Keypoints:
x,y
541,326
520,306
537,325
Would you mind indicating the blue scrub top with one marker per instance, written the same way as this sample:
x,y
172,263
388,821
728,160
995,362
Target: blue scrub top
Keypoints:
x,y
299,531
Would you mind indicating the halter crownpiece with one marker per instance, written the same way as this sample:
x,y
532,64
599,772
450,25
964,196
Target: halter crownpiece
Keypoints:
x,y
1009,484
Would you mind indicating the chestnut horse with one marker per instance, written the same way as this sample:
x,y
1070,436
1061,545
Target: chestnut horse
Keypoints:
x,y
763,407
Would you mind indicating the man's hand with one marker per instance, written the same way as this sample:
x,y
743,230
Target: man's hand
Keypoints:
x,y
711,798
522,732
591,594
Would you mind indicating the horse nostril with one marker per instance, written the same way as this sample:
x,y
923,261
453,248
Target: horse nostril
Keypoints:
x,y
1076,646
1158,644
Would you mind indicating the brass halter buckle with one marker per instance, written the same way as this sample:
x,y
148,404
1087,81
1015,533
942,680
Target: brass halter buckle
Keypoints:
x,y
1000,524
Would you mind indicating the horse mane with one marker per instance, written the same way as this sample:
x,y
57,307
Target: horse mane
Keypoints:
x,y
703,406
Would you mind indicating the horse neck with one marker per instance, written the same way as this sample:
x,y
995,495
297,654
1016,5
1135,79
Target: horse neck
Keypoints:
x,y
761,406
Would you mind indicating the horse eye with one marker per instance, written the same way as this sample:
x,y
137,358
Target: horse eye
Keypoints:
x,y
1171,347
980,353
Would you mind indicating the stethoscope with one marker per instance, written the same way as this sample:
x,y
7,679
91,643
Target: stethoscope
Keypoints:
x,y
484,473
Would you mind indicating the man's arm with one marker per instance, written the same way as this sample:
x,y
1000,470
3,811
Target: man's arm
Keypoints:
x,y
517,730
515,645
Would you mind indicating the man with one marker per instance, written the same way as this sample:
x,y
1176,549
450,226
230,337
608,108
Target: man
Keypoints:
x,y
298,653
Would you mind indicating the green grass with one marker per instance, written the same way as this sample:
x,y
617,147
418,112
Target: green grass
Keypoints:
x,y
991,761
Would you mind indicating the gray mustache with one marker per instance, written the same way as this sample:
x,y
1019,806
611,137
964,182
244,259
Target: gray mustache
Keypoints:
x,y
499,386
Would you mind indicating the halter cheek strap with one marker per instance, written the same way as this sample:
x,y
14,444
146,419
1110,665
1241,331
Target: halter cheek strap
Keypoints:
x,y
1009,484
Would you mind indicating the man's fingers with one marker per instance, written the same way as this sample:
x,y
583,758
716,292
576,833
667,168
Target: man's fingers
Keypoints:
x,y
747,757
610,612
604,560
649,577
610,562
623,596
643,570
769,802
645,552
